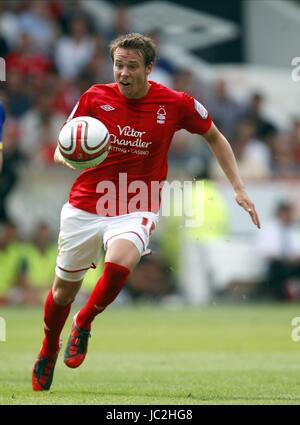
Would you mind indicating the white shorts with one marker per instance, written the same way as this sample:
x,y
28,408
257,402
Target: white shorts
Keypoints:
x,y
81,233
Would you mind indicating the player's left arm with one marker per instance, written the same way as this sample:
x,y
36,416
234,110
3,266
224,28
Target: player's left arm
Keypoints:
x,y
221,148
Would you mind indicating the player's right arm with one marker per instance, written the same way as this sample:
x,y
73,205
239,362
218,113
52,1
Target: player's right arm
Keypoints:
x,y
59,159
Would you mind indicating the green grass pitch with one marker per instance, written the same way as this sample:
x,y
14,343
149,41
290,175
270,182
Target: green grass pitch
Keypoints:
x,y
154,355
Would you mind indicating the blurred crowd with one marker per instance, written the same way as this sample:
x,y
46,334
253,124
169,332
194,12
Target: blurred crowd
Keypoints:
x,y
54,50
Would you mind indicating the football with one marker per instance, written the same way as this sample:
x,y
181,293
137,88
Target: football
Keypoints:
x,y
84,142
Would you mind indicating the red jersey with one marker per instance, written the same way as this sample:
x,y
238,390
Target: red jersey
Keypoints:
x,y
141,132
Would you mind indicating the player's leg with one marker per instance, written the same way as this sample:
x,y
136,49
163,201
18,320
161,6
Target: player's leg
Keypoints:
x,y
56,310
121,258
78,247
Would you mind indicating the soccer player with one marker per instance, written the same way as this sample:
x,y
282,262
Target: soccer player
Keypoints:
x,y
141,116
2,119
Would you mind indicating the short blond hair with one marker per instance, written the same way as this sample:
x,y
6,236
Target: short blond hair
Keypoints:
x,y
136,41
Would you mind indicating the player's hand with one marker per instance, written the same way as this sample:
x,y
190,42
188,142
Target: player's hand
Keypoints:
x,y
59,159
245,202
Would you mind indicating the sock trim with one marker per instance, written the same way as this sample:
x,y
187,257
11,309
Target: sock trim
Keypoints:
x,y
124,268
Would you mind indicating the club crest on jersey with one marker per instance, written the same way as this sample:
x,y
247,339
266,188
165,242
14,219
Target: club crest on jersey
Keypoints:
x,y
200,109
161,115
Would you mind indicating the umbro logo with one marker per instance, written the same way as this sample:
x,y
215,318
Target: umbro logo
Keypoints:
x,y
107,107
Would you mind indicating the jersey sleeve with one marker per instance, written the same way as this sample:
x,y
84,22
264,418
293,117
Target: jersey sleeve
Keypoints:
x,y
2,119
194,117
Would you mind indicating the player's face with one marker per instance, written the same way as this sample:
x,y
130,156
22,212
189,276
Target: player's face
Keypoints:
x,y
131,73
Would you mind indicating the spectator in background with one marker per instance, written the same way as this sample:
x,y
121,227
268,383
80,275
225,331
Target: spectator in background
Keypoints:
x,y
73,52
97,69
65,94
62,12
279,244
253,156
185,146
40,258
152,281
181,149
9,25
13,159
286,151
184,80
36,20
283,157
225,111
28,60
12,283
17,94
163,70
294,137
121,23
264,129
39,128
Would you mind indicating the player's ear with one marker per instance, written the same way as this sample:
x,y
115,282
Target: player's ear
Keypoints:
x,y
149,68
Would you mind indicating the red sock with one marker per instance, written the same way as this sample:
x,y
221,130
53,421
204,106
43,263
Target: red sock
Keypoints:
x,y
55,317
109,285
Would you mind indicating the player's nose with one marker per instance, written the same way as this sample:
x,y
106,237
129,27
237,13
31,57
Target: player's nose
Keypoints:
x,y
124,72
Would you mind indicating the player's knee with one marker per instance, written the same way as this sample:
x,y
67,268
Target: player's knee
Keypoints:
x,y
124,253
64,292
62,297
